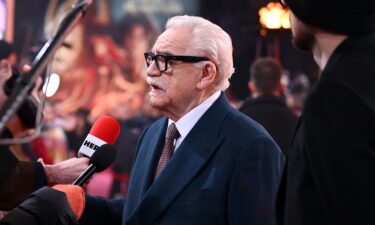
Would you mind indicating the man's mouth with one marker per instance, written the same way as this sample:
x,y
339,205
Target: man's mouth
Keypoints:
x,y
155,85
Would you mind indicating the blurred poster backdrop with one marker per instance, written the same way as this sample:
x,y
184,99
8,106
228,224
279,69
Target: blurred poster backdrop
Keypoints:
x,y
100,65
160,9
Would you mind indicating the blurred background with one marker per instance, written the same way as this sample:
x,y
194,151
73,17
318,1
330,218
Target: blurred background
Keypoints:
x,y
100,67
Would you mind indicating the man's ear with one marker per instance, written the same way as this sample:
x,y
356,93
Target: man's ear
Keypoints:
x,y
208,76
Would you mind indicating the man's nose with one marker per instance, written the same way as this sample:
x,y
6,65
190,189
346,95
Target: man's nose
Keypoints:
x,y
152,70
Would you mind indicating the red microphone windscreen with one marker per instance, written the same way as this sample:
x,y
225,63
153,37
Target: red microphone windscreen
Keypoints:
x,y
106,128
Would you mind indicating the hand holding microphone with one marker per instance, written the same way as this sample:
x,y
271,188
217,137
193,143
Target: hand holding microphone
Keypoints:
x,y
105,130
65,172
102,158
47,203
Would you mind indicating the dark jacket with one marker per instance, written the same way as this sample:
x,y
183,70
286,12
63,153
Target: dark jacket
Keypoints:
x,y
329,176
274,115
17,179
43,207
225,172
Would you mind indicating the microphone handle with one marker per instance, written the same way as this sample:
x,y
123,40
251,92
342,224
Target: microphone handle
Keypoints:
x,y
85,175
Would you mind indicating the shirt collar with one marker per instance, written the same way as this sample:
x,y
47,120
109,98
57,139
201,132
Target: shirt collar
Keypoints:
x,y
187,122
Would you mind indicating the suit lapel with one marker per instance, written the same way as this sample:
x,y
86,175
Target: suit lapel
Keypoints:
x,y
144,166
188,160
156,146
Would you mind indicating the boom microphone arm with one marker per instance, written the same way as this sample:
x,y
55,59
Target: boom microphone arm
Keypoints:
x,y
26,81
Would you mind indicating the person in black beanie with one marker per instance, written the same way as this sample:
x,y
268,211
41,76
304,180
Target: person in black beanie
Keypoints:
x,y
329,175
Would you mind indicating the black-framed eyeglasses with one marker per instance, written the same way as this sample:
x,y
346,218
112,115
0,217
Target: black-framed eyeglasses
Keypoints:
x,y
162,60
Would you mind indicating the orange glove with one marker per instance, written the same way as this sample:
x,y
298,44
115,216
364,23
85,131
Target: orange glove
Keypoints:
x,y
75,196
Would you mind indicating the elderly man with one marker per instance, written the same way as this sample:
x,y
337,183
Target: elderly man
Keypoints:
x,y
329,177
212,165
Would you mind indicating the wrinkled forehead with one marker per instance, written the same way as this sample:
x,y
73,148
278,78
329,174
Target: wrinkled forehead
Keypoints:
x,y
173,41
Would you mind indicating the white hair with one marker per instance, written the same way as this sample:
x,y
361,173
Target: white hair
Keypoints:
x,y
211,41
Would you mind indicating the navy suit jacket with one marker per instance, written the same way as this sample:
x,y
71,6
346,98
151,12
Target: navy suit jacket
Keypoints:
x,y
226,171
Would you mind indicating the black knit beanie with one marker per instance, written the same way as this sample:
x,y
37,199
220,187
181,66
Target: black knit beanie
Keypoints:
x,y
339,16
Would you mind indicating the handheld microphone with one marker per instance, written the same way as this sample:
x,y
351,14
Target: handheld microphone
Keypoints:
x,y
99,161
105,130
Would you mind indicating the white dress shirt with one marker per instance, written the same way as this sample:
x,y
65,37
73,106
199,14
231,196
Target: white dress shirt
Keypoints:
x,y
187,122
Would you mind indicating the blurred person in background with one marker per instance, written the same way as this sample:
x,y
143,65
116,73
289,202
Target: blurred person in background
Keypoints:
x,y
266,104
296,91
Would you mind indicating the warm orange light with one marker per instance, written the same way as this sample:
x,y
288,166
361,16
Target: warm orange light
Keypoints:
x,y
274,16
